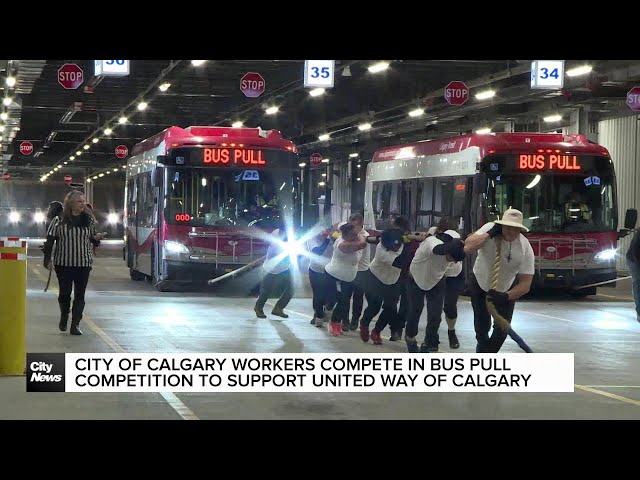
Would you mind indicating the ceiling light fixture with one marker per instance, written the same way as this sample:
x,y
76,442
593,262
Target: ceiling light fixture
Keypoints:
x,y
584,69
379,67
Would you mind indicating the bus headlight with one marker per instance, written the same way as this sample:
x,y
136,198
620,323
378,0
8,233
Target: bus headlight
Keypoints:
x,y
38,217
606,255
14,217
175,247
112,218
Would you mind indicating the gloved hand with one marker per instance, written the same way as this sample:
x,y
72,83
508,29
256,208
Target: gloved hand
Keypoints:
x,y
495,230
499,298
335,234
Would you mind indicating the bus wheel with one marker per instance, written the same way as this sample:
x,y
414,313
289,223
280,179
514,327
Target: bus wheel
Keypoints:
x,y
583,292
136,275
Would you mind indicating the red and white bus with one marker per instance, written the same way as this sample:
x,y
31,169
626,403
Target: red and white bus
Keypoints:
x,y
197,198
564,185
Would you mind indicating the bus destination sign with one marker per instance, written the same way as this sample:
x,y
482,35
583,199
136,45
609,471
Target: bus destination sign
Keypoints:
x,y
548,162
233,156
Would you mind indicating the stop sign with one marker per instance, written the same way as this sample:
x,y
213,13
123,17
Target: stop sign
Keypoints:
x,y
252,84
70,76
67,178
315,159
5,176
456,93
26,148
633,99
122,151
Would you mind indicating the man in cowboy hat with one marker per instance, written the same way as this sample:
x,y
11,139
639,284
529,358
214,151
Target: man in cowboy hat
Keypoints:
x,y
516,261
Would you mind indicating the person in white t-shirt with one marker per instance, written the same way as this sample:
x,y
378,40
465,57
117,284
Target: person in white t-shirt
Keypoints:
x,y
341,272
277,277
380,283
516,262
320,248
363,266
428,268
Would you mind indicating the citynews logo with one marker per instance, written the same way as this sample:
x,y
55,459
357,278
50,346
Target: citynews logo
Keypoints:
x,y
45,372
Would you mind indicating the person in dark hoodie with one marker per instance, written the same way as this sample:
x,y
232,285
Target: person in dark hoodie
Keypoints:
x,y
633,261
74,235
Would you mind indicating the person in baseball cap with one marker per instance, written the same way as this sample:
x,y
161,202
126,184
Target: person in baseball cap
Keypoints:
x,y
516,262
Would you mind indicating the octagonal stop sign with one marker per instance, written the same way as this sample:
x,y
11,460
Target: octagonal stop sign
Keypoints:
x,y
456,93
252,84
315,159
122,151
633,99
70,76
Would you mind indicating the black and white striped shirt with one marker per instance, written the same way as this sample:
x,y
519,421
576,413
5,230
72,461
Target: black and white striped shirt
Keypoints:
x,y
73,242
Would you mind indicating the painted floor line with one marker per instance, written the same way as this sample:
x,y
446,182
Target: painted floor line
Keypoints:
x,y
174,402
609,395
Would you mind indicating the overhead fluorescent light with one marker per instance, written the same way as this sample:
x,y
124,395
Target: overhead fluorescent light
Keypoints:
x,y
417,112
584,69
483,131
364,126
378,67
485,94
323,137
237,124
271,110
316,92
553,118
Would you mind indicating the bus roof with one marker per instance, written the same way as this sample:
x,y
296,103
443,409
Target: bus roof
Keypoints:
x,y
519,142
214,136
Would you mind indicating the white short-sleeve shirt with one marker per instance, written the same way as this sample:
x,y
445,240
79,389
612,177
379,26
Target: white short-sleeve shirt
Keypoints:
x,y
426,267
515,257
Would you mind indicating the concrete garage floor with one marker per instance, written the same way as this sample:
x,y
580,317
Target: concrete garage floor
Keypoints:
x,y
126,316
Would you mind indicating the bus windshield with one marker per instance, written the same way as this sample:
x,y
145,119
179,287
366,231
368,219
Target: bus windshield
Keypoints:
x,y
229,197
556,202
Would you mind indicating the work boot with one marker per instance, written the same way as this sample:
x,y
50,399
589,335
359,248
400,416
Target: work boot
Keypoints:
x,y
395,336
279,313
412,345
64,318
453,339
259,312
75,328
355,323
346,326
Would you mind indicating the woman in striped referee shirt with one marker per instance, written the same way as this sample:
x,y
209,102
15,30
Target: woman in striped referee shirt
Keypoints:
x,y
74,233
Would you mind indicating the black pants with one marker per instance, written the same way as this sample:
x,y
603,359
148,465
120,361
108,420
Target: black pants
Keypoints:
x,y
72,278
403,310
319,288
454,286
342,292
482,320
358,296
435,301
379,295
278,284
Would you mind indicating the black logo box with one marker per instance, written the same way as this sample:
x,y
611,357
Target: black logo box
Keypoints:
x,y
45,372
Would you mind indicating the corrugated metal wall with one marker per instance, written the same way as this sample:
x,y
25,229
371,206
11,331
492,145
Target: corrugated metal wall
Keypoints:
x,y
341,194
620,137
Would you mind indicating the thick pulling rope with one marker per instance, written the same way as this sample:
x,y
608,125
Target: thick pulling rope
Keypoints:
x,y
499,320
245,268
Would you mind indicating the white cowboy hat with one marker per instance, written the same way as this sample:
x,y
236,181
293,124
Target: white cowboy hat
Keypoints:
x,y
512,218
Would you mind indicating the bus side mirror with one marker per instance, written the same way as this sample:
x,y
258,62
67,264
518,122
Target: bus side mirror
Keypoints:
x,y
156,177
630,218
479,183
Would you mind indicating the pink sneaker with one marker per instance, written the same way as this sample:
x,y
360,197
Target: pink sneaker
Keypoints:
x,y
364,333
332,327
375,337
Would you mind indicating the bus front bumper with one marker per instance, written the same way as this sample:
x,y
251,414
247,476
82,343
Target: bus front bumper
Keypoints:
x,y
559,278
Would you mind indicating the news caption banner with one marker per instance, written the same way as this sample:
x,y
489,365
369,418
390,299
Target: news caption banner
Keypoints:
x,y
299,372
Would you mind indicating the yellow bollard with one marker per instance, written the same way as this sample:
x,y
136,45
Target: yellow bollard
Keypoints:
x,y
13,305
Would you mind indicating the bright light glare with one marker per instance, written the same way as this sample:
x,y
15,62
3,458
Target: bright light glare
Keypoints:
x,y
14,216
534,182
38,217
112,218
606,255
